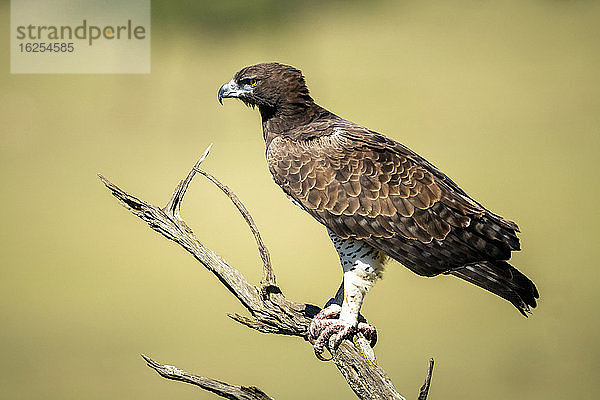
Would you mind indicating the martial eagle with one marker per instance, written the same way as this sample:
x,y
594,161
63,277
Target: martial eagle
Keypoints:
x,y
377,199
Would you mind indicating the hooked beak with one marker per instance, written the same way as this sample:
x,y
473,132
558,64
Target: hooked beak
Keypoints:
x,y
230,89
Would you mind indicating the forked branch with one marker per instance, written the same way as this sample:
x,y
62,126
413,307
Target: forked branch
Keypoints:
x,y
270,310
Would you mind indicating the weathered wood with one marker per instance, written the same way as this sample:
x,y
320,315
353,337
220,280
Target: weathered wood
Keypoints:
x,y
425,388
270,310
222,389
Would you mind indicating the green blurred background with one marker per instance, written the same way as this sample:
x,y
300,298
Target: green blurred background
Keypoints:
x,y
503,96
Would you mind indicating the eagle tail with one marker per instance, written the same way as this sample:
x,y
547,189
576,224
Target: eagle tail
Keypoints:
x,y
502,279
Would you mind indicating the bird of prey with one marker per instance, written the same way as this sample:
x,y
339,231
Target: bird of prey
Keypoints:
x,y
377,199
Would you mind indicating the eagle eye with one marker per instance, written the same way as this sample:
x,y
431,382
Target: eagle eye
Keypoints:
x,y
248,81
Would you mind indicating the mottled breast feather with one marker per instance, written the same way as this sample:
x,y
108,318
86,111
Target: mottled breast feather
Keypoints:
x,y
363,185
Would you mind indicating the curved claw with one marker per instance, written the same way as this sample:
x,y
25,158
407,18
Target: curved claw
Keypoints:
x,y
369,332
320,356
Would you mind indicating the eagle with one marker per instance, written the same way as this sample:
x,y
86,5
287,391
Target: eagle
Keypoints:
x,y
377,199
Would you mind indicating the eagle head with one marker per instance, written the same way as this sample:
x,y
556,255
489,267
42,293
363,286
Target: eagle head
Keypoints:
x,y
268,86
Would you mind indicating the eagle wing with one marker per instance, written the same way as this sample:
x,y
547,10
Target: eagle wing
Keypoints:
x,y
362,185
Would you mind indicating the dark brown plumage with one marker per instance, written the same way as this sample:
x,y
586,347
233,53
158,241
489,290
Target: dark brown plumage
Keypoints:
x,y
363,185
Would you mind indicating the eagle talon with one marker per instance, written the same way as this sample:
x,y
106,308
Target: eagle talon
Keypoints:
x,y
342,330
326,324
329,312
321,320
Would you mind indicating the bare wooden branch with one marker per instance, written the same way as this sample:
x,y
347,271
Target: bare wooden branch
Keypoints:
x,y
425,388
222,389
270,311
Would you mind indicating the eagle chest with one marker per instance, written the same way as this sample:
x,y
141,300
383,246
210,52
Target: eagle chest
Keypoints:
x,y
359,257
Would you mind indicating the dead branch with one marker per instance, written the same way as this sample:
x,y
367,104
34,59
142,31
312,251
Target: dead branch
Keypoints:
x,y
425,388
222,389
270,310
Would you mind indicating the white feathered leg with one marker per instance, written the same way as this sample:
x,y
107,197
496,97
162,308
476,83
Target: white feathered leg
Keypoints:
x,y
362,265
